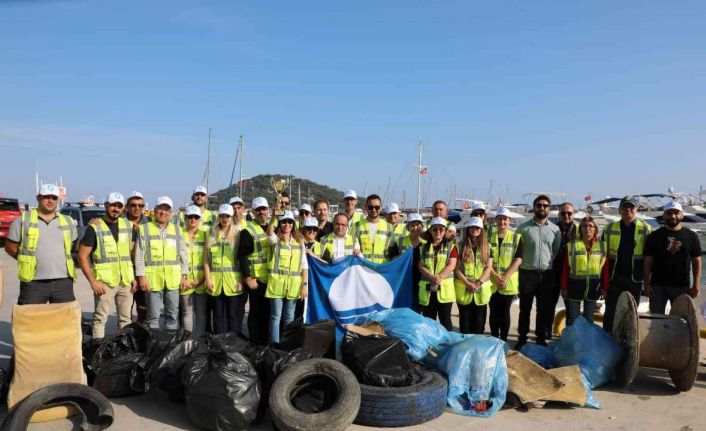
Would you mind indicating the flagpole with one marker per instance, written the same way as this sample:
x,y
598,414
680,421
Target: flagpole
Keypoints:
x,y
419,175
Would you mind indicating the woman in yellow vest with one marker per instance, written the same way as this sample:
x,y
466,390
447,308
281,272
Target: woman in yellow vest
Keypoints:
x,y
586,273
414,239
193,302
287,272
436,265
223,281
506,249
473,286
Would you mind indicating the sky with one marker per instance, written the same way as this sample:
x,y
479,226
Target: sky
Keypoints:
x,y
579,97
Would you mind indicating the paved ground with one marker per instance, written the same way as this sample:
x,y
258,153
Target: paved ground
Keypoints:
x,y
651,403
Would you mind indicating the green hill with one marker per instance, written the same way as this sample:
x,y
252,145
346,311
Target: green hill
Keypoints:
x,y
260,185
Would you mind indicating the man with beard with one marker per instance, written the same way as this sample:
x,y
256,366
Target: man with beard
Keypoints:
x,y
541,241
671,252
199,198
569,232
321,213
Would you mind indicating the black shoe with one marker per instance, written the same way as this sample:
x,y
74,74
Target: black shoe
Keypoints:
x,y
519,344
541,343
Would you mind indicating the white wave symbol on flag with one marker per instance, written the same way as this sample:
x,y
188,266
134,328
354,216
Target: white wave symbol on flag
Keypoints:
x,y
359,290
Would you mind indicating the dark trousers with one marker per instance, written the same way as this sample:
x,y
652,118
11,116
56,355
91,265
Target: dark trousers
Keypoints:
x,y
442,310
228,312
500,315
662,294
139,298
539,286
42,291
298,311
471,318
618,284
259,314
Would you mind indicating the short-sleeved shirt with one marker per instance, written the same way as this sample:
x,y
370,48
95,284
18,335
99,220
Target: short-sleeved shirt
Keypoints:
x,y
50,253
672,252
89,236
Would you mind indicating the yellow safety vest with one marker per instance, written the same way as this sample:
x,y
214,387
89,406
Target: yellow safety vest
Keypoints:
x,y
327,246
503,255
195,252
27,258
355,219
208,218
285,271
398,231
405,242
162,264
257,260
112,263
585,270
611,236
435,264
374,252
473,271
225,274
316,248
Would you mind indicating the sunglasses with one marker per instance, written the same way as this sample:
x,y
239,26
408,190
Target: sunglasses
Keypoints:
x,y
374,207
136,205
541,205
192,216
477,214
285,203
437,229
565,213
310,230
286,221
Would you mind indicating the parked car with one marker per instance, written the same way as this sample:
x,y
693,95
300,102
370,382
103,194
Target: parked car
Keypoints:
x,y
9,211
81,214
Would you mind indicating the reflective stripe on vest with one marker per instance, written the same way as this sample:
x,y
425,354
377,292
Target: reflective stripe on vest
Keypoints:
x,y
612,240
285,271
26,255
473,271
112,263
257,260
327,246
375,252
503,257
195,252
224,268
436,264
585,270
405,242
162,264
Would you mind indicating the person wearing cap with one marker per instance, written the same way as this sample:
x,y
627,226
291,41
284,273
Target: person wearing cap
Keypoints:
x,y
309,230
161,265
506,249
585,275
104,257
472,278
541,239
436,266
392,216
193,301
239,218
339,243
287,270
373,233
451,232
41,241
672,254
478,210
321,209
414,239
350,204
135,216
625,240
253,252
223,278
438,209
199,198
304,214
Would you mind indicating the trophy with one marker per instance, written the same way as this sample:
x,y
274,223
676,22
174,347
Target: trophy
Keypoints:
x,y
278,184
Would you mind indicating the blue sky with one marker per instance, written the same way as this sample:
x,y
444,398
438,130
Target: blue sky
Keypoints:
x,y
593,96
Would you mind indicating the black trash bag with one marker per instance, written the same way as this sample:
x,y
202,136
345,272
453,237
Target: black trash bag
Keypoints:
x,y
318,338
113,361
378,360
162,340
167,360
221,385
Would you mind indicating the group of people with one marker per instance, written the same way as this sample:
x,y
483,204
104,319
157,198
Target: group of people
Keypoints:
x,y
202,268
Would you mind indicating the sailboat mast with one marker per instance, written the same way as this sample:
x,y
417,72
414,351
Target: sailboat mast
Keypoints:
x,y
419,176
242,155
204,180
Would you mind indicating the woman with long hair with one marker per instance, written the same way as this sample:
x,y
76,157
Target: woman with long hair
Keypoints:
x,y
473,286
436,265
193,302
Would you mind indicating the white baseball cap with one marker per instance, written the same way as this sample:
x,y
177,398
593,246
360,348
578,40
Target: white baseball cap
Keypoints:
x,y
135,194
236,200
437,221
673,205
288,215
164,200
193,210
415,217
474,222
392,208
259,202
310,222
305,207
49,190
502,211
350,194
225,209
478,207
114,198
200,189
451,227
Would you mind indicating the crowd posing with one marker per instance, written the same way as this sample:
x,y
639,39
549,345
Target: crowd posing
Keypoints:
x,y
200,268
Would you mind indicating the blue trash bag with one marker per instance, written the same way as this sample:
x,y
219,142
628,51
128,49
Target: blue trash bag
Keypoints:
x,y
418,333
591,401
703,310
591,348
543,356
477,374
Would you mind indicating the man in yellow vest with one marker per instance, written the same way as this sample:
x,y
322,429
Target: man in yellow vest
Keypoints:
x,y
350,203
238,212
625,240
373,233
254,250
135,216
339,243
41,241
199,198
104,256
392,216
161,265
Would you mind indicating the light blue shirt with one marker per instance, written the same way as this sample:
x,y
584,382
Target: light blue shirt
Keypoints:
x,y
541,244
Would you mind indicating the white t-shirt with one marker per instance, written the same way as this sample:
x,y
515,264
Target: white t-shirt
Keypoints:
x,y
339,248
373,229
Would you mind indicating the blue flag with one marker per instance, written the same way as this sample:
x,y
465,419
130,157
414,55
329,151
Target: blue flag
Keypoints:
x,y
353,286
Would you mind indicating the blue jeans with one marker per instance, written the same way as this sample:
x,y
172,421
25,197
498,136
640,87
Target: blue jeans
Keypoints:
x,y
573,309
278,308
170,300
